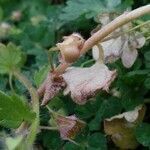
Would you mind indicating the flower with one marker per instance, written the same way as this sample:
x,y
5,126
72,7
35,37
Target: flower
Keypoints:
x,y
121,127
129,49
124,46
50,87
84,83
69,126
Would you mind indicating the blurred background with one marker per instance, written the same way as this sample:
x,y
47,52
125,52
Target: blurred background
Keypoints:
x,y
37,25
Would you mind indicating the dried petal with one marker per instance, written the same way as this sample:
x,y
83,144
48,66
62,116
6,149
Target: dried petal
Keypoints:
x,y
51,86
121,127
129,50
112,50
130,116
69,126
128,56
124,47
83,83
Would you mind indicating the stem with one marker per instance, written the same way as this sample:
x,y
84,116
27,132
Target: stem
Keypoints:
x,y
50,60
101,54
48,128
148,38
110,27
61,68
35,105
106,30
49,109
87,62
128,31
53,113
10,83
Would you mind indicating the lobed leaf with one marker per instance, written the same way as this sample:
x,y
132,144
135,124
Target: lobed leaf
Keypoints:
x,y
13,111
11,58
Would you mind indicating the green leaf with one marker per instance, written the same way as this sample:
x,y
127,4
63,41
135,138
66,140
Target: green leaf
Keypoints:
x,y
13,111
1,13
72,146
129,103
11,58
147,59
142,133
51,140
75,9
112,3
147,56
41,75
89,109
97,141
13,143
107,109
3,83
135,77
78,8
147,83
110,107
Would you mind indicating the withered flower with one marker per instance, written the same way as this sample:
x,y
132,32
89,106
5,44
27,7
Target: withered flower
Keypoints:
x,y
121,127
50,87
69,126
123,46
83,83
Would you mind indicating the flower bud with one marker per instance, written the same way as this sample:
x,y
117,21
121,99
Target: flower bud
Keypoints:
x,y
69,126
70,48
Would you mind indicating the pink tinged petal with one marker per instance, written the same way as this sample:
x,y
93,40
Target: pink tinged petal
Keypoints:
x,y
41,89
128,56
137,41
83,83
69,126
112,50
114,47
51,87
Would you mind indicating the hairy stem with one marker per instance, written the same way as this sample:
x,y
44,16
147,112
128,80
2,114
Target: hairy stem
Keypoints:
x,y
61,68
106,30
116,23
101,53
48,128
35,105
128,31
10,83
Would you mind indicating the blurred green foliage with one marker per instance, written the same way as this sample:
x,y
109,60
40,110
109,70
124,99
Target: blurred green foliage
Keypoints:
x,y
41,25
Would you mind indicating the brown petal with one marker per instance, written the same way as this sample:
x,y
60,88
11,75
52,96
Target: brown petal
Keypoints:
x,y
51,87
121,127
